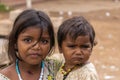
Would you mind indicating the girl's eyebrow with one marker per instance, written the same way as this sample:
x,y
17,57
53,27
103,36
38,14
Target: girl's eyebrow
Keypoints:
x,y
45,38
26,36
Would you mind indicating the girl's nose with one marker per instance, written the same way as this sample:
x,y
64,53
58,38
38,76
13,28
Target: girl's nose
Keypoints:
x,y
36,46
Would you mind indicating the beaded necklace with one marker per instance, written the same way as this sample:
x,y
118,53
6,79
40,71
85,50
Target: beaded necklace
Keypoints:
x,y
18,71
66,73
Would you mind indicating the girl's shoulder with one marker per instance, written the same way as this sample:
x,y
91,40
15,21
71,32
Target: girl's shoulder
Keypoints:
x,y
52,65
3,77
56,59
6,73
53,61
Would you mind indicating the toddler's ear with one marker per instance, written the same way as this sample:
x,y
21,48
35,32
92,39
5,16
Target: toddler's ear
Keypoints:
x,y
95,42
60,49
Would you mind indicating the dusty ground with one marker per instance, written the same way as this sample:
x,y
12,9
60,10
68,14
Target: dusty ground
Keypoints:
x,y
105,17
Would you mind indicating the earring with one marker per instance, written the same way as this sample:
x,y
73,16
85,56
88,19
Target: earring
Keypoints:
x,y
17,54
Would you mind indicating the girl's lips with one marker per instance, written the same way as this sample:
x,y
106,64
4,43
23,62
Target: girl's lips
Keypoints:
x,y
34,55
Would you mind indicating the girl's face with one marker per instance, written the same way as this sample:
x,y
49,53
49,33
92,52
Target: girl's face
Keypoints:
x,y
77,51
29,37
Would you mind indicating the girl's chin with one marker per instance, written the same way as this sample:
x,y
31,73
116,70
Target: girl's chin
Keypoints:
x,y
34,62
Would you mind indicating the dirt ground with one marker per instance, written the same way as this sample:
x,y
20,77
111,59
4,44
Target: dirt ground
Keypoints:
x,y
105,17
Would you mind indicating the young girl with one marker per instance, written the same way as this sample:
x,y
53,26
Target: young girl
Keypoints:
x,y
30,41
76,41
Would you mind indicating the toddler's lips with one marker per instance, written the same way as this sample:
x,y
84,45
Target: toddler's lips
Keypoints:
x,y
78,58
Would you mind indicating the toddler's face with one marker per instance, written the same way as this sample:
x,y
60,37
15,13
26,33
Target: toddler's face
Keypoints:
x,y
76,51
31,47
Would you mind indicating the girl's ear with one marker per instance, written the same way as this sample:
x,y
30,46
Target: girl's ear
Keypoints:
x,y
15,46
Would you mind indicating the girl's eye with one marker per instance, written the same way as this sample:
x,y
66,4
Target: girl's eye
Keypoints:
x,y
27,40
44,41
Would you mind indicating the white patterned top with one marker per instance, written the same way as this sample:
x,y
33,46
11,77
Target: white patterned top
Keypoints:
x,y
86,72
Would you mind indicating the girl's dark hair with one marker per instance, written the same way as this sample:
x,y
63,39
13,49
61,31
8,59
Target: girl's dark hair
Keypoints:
x,y
27,19
74,27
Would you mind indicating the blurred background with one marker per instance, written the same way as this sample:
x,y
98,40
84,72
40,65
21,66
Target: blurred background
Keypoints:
x,y
104,15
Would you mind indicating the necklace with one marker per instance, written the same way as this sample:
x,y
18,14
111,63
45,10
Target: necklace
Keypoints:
x,y
18,71
66,73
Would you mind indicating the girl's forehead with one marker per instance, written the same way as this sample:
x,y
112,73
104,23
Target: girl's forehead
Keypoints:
x,y
32,28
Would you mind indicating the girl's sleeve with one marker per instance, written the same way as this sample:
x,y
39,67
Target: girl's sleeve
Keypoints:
x,y
56,60
53,64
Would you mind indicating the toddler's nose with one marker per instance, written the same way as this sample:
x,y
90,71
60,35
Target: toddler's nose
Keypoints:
x,y
79,51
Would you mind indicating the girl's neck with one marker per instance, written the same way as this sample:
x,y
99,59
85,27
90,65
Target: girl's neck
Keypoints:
x,y
29,72
30,69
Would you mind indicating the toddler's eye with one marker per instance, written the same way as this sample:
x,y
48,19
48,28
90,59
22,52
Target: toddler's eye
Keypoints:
x,y
71,46
85,46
